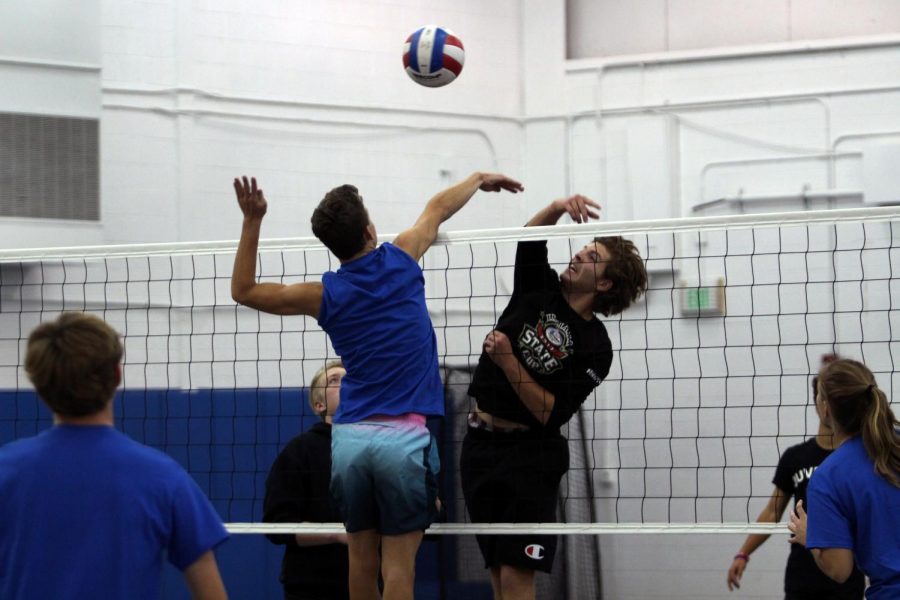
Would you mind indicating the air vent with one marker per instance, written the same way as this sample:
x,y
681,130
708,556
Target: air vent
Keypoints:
x,y
49,167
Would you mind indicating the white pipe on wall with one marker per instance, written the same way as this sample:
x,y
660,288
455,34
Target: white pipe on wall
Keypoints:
x,y
197,112
830,156
733,53
18,61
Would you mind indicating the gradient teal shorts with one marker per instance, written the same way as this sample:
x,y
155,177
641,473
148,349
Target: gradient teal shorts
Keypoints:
x,y
384,474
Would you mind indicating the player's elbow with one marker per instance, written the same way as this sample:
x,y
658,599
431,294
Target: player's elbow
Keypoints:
x,y
837,563
238,296
240,293
840,575
841,571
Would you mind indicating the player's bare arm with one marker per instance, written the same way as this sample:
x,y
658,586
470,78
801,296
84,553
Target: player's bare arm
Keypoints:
x,y
416,240
533,395
772,513
580,208
275,298
203,579
837,563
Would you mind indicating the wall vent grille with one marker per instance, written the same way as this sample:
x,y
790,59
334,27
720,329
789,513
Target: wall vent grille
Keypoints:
x,y
49,167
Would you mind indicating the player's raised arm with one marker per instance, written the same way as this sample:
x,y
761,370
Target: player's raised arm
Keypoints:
x,y
580,208
275,298
416,240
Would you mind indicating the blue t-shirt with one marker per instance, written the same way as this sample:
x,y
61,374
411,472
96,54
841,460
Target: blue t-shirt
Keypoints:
x,y
851,506
89,513
373,309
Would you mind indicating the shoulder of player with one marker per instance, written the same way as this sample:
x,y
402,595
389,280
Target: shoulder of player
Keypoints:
x,y
808,445
794,453
18,456
310,440
390,249
318,434
149,462
805,455
593,336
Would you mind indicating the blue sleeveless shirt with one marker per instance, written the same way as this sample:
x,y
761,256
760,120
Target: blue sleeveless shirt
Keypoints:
x,y
373,309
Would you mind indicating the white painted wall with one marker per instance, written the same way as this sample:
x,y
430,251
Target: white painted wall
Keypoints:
x,y
306,96
50,64
598,28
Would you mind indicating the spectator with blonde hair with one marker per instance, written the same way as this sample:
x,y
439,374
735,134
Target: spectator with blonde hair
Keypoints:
x,y
314,565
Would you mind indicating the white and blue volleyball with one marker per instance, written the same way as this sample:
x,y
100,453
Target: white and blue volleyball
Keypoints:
x,y
433,56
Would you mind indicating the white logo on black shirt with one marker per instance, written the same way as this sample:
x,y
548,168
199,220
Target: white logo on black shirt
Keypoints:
x,y
545,345
802,475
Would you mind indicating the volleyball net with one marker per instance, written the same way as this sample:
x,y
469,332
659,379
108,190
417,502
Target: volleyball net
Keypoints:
x,y
710,380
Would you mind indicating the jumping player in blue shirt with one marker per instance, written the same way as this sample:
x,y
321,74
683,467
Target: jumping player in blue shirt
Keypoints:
x,y
384,461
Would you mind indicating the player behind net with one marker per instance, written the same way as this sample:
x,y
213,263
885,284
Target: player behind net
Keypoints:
x,y
546,354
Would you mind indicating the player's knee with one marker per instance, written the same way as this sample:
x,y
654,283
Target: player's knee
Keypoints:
x,y
515,581
398,571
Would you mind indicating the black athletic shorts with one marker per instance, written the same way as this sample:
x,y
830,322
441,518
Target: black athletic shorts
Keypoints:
x,y
513,477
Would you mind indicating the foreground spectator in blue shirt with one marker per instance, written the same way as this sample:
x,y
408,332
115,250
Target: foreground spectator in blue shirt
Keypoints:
x,y
854,496
87,511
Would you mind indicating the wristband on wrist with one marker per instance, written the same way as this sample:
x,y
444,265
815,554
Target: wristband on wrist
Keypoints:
x,y
743,555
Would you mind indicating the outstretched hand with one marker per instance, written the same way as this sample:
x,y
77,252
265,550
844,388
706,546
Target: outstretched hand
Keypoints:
x,y
797,525
250,198
494,182
579,208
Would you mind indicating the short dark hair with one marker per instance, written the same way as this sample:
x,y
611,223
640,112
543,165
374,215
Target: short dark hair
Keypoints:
x,y
73,363
340,221
626,271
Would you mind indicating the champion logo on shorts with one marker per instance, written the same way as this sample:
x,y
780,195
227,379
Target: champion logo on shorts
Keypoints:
x,y
535,551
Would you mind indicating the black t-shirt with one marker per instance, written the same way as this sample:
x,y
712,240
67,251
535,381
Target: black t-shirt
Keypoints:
x,y
802,575
297,490
567,355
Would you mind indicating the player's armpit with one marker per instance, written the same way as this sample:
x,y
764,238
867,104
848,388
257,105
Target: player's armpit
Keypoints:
x,y
416,240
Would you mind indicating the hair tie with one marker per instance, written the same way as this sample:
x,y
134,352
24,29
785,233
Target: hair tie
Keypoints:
x,y
870,388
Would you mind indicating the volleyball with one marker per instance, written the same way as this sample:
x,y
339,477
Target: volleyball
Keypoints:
x,y
433,56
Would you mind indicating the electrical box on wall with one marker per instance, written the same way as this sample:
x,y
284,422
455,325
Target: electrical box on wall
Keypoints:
x,y
881,177
703,300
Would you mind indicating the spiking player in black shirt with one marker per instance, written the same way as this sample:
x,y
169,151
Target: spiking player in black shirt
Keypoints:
x,y
546,354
